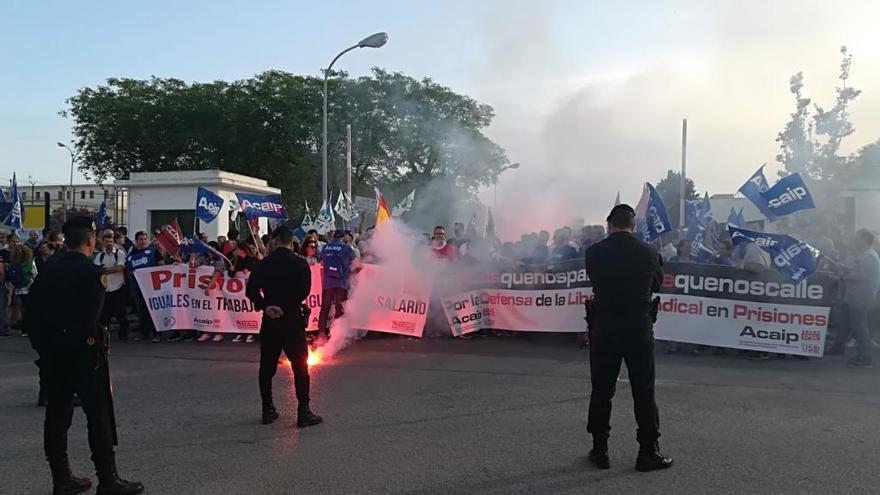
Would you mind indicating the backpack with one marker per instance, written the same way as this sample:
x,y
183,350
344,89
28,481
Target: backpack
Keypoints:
x,y
335,264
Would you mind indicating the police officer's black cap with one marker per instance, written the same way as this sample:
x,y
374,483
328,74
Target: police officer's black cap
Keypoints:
x,y
623,207
82,223
282,230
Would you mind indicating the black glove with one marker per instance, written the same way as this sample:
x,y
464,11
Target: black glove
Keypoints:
x,y
655,309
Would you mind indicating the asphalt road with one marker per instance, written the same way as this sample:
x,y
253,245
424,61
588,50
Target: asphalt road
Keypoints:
x,y
486,416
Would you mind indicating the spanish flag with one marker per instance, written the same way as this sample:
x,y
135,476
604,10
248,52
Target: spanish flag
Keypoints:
x,y
383,213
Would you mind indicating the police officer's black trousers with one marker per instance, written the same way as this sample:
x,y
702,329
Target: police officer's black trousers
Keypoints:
x,y
607,350
81,378
275,336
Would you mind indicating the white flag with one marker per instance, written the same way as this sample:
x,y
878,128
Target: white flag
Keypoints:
x,y
307,223
345,208
405,205
325,220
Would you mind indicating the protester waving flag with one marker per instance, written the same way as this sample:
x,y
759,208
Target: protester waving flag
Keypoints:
x,y
405,204
208,205
793,258
787,196
101,218
652,219
256,206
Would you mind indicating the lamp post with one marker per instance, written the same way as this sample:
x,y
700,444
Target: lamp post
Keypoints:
x,y
373,41
512,166
72,162
33,189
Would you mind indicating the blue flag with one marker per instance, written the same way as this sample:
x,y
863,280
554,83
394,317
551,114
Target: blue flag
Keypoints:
x,y
101,217
732,218
15,215
789,195
793,258
652,219
754,188
208,205
256,206
192,245
736,219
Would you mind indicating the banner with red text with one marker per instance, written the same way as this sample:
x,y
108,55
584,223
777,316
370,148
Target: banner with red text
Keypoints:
x,y
700,304
178,298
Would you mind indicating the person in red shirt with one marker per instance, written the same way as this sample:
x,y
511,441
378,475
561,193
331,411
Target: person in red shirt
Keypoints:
x,y
440,248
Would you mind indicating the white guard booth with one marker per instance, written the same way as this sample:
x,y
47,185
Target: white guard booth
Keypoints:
x,y
155,198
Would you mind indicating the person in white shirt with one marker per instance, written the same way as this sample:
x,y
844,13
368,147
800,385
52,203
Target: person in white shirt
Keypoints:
x,y
112,259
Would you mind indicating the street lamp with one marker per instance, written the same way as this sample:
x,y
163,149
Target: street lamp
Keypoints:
x,y
377,40
512,166
72,161
33,189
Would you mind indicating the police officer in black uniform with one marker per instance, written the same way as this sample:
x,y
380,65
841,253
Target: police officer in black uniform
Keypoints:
x,y
278,286
63,322
624,272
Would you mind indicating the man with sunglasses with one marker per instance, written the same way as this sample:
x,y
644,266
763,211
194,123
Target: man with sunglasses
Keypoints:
x,y
625,272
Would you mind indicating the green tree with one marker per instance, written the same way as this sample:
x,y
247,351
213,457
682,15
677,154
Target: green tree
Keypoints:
x,y
406,132
811,143
794,140
669,189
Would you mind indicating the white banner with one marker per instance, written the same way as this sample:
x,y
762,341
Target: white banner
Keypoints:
x,y
748,325
529,310
699,304
177,300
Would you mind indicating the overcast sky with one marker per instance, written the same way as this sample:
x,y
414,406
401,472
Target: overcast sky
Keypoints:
x,y
589,96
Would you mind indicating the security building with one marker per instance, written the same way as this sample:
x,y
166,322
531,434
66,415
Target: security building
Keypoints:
x,y
155,198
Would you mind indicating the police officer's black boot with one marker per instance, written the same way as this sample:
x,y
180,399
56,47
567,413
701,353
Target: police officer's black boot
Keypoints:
x,y
599,454
306,418
109,482
64,482
270,414
651,459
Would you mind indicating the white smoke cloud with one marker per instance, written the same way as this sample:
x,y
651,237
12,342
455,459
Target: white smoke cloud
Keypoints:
x,y
583,131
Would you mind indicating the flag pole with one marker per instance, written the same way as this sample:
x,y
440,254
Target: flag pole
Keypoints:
x,y
348,159
684,131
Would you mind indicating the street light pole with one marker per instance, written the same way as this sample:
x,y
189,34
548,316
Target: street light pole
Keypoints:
x,y
373,41
72,162
33,189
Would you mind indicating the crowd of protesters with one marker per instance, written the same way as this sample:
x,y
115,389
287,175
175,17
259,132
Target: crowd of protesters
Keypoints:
x,y
855,264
